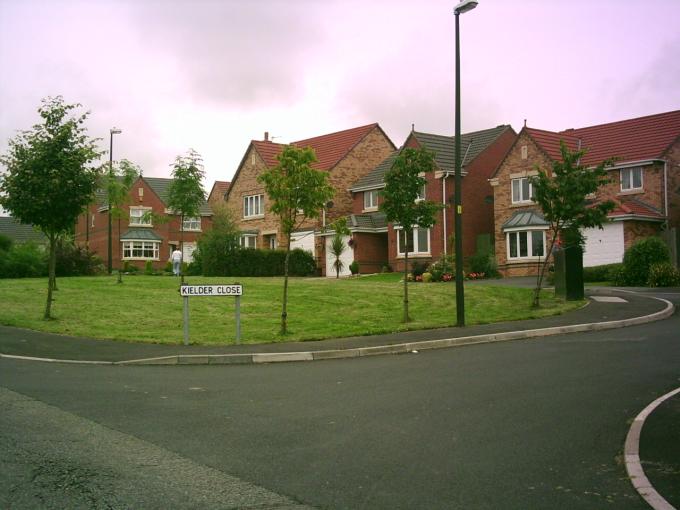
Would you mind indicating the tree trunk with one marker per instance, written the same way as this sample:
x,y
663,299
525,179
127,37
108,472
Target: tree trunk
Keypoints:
x,y
181,248
539,279
51,279
120,259
284,312
406,248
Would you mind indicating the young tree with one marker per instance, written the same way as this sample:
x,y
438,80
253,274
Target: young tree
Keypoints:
x,y
402,204
338,245
562,193
118,185
185,194
51,175
297,192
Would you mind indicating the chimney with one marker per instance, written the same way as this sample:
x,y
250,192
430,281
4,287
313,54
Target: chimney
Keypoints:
x,y
266,136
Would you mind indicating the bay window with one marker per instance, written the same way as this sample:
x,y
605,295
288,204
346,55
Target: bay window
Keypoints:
x,y
525,244
418,241
141,250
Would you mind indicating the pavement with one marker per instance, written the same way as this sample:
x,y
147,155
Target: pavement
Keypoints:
x,y
601,312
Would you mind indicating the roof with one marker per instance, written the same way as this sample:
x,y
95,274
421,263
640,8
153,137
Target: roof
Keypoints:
x,y
634,207
140,234
639,139
522,219
371,221
444,147
161,186
219,189
20,232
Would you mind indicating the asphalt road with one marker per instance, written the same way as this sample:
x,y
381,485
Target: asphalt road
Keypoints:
x,y
534,424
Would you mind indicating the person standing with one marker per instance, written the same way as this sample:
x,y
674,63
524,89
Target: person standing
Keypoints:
x,y
176,259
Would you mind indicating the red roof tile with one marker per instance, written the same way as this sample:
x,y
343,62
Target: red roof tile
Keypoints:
x,y
637,139
329,149
635,207
218,190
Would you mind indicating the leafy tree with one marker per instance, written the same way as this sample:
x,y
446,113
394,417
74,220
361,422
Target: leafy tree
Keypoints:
x,y
562,193
51,175
401,203
186,194
118,185
297,192
217,244
338,245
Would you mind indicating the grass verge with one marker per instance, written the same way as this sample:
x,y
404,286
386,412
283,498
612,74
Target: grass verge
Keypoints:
x,y
149,308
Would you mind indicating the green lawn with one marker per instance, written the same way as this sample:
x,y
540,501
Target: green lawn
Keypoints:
x,y
149,308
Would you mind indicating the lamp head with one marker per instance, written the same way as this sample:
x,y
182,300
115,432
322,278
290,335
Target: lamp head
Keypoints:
x,y
115,131
465,6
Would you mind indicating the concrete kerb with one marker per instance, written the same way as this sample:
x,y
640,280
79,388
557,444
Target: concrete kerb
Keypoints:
x,y
228,359
631,453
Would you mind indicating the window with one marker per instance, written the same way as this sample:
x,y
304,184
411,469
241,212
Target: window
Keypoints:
x,y
371,199
522,190
248,241
139,217
92,223
253,205
631,179
526,244
421,194
192,223
270,241
141,249
418,241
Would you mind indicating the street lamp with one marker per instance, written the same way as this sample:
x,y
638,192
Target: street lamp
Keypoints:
x,y
464,6
112,131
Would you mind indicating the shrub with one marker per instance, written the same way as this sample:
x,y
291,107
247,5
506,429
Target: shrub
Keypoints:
x,y
5,243
72,260
446,264
148,268
418,267
168,266
483,263
23,261
663,275
427,277
386,268
128,267
255,262
301,263
354,267
603,273
640,257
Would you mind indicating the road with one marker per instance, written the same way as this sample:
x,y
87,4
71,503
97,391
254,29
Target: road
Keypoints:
x,y
526,424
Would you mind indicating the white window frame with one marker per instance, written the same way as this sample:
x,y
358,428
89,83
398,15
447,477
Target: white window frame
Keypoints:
x,y
371,200
522,198
133,218
421,194
272,242
191,224
530,248
415,248
631,181
245,240
146,250
253,206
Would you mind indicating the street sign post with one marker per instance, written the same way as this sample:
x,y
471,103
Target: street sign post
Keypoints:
x,y
211,290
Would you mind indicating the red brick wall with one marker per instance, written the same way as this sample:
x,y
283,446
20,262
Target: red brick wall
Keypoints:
x,y
370,251
673,176
636,230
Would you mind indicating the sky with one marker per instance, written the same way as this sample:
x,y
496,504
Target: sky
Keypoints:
x,y
213,75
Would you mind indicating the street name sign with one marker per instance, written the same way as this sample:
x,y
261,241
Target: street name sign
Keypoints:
x,y
211,290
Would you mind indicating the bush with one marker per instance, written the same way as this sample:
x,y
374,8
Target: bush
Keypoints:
x,y
255,262
128,267
5,243
663,275
354,267
301,263
603,273
418,268
75,260
427,277
148,268
483,263
639,258
23,261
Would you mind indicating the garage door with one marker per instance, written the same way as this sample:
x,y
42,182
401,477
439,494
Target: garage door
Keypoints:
x,y
346,258
603,246
303,240
188,252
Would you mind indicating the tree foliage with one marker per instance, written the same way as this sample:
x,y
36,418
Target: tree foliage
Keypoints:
x,y
563,195
401,200
185,193
296,192
51,175
338,245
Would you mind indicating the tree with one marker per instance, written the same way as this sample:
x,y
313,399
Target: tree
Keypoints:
x,y
118,185
51,176
338,245
563,195
297,192
401,201
217,244
185,193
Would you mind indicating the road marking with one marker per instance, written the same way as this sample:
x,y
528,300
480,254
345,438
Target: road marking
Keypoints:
x,y
608,299
631,454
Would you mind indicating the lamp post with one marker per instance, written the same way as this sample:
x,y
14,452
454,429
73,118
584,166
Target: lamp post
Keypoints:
x,y
464,6
112,131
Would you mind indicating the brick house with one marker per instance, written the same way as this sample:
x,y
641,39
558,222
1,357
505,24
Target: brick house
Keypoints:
x,y
645,186
20,233
346,156
218,191
375,243
137,237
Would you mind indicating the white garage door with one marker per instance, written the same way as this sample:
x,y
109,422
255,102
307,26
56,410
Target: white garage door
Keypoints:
x,y
188,252
303,240
346,258
603,246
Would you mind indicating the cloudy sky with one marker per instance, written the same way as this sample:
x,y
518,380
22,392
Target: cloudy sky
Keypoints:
x,y
213,74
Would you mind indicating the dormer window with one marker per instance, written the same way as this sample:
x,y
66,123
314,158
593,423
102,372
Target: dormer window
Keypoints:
x,y
370,200
631,179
